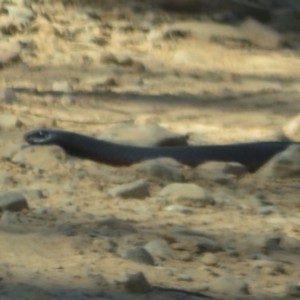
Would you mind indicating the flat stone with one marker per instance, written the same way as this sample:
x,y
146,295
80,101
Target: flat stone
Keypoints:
x,y
260,35
293,290
9,218
13,201
253,245
210,259
159,169
137,284
20,12
196,244
188,194
138,254
184,277
6,177
108,58
179,208
159,248
61,86
116,224
8,95
269,267
228,285
138,189
283,165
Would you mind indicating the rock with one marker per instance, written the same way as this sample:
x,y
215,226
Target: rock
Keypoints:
x,y
10,25
292,127
262,207
159,248
6,177
221,172
213,171
196,244
91,38
269,267
265,211
137,284
210,259
235,169
186,194
108,58
179,208
8,95
138,189
158,168
13,201
185,256
259,201
207,245
37,156
284,164
278,135
293,290
41,210
260,35
101,81
184,277
143,135
202,31
30,194
142,209
9,218
67,100
125,61
9,53
189,232
27,43
184,57
228,285
8,121
253,245
289,242
20,12
161,201
8,150
115,224
137,254
61,86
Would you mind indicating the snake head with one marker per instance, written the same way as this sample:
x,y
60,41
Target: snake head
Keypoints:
x,y
39,137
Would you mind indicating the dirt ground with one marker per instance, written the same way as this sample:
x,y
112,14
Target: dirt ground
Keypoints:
x,y
217,94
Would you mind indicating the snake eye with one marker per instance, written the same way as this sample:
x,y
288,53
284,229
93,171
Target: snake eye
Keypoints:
x,y
42,135
38,137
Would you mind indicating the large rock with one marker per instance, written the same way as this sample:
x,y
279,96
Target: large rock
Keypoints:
x,y
138,189
260,35
229,285
284,164
13,201
187,194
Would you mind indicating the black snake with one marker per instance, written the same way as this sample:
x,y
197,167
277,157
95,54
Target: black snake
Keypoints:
x,y
252,155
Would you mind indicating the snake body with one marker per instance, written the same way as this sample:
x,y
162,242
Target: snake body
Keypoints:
x,y
252,155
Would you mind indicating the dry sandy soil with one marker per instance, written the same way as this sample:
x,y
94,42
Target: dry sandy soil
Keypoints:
x,y
56,249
